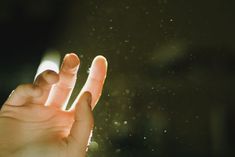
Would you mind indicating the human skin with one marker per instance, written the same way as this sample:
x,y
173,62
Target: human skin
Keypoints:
x,y
33,122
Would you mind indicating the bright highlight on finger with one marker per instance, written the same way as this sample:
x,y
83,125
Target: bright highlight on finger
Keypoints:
x,y
50,61
61,92
95,80
45,81
99,68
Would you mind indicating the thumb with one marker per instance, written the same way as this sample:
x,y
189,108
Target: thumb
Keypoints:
x,y
82,126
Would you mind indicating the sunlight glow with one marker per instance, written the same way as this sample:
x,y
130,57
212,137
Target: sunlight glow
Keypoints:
x,y
50,61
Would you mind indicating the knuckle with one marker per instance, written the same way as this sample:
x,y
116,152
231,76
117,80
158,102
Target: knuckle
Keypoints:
x,y
24,87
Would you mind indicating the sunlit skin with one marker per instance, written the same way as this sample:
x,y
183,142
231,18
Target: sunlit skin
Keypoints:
x,y
32,124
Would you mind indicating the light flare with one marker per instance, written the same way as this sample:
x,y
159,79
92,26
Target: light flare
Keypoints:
x,y
50,61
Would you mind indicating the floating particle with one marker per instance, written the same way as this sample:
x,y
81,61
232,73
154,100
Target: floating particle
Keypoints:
x,y
127,91
125,122
186,121
165,131
133,118
116,123
93,146
100,128
118,150
88,71
118,52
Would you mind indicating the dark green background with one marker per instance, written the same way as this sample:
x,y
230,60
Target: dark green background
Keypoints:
x,y
170,85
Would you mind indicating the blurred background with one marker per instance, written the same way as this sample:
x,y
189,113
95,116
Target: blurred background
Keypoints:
x,y
170,84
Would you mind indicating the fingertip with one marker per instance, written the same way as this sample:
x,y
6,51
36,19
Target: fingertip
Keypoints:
x,y
88,98
99,68
51,77
101,60
71,61
85,99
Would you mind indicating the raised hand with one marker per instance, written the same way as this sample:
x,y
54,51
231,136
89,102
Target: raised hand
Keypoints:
x,y
34,122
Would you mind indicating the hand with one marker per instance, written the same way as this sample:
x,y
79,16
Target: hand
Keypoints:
x,y
33,122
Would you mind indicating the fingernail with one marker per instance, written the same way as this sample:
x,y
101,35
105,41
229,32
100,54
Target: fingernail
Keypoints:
x,y
71,61
51,76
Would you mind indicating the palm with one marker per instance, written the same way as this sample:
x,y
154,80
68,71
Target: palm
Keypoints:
x,y
32,124
45,132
